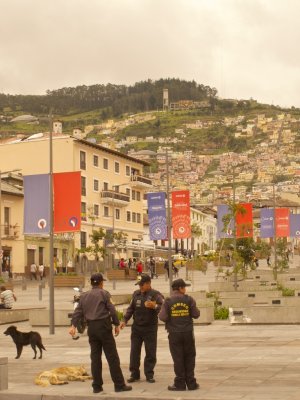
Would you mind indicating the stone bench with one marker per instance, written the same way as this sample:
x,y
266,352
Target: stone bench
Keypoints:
x,y
41,317
264,314
8,316
69,281
120,274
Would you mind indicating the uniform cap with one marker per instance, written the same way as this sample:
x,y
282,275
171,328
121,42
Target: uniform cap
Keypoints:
x,y
144,279
96,278
178,283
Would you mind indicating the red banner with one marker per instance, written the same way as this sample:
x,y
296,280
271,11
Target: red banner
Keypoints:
x,y
67,202
282,222
244,221
181,218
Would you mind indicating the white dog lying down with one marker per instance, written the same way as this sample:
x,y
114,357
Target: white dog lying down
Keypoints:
x,y
62,376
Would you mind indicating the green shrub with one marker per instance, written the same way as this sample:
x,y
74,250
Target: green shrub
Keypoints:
x,y
67,274
221,313
120,315
288,292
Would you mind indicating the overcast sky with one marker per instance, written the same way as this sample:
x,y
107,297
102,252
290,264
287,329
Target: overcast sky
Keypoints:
x,y
244,48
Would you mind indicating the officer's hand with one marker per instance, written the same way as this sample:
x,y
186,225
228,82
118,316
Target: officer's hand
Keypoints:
x,y
122,326
150,304
117,330
72,331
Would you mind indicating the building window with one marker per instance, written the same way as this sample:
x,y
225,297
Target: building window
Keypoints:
x,y
163,243
96,185
6,220
133,194
118,214
128,192
96,210
117,167
82,240
128,216
95,161
138,196
106,211
127,170
82,160
83,211
105,163
133,217
138,218
83,186
105,185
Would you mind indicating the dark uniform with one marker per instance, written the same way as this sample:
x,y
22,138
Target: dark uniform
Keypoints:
x,y
178,312
144,330
96,307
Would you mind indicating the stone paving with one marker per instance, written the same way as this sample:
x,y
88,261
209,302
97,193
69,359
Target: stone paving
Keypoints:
x,y
233,362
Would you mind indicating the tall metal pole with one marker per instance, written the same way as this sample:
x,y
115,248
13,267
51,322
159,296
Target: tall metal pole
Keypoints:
x,y
1,254
275,236
169,224
234,232
51,260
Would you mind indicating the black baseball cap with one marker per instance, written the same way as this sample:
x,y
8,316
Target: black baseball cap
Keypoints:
x,y
96,278
144,279
178,283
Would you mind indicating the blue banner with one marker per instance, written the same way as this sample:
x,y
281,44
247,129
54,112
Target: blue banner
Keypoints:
x,y
223,209
267,222
37,204
295,225
157,216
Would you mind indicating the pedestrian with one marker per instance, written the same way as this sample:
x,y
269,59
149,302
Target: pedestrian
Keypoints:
x,y
152,268
7,298
166,267
268,261
33,271
96,307
144,307
139,267
41,271
178,312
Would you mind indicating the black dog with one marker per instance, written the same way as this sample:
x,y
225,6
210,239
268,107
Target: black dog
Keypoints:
x,y
25,338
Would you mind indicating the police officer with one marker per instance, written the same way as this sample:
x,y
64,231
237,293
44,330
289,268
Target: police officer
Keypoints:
x,y
144,307
96,307
178,312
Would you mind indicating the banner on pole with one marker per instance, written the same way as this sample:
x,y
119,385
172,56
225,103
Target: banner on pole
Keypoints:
x,y
282,222
222,233
181,218
67,202
157,216
244,221
295,225
36,204
267,223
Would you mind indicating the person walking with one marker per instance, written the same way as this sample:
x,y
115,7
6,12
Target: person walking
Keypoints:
x,y
96,307
33,271
152,268
178,312
144,307
41,271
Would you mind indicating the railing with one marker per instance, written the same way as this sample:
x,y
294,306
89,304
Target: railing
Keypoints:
x,y
9,231
111,194
141,179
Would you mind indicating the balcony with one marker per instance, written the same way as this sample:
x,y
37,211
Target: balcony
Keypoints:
x,y
140,182
10,231
116,199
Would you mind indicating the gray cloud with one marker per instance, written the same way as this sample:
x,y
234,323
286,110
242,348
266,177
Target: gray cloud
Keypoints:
x,y
245,48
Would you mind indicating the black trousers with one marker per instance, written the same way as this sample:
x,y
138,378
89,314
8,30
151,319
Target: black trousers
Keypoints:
x,y
148,336
101,337
183,351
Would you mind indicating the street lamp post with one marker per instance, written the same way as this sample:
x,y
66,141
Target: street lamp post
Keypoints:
x,y
169,224
1,252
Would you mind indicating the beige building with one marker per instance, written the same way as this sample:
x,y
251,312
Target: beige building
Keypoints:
x,y
112,190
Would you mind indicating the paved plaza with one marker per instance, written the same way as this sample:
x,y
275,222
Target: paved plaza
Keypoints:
x,y
257,362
